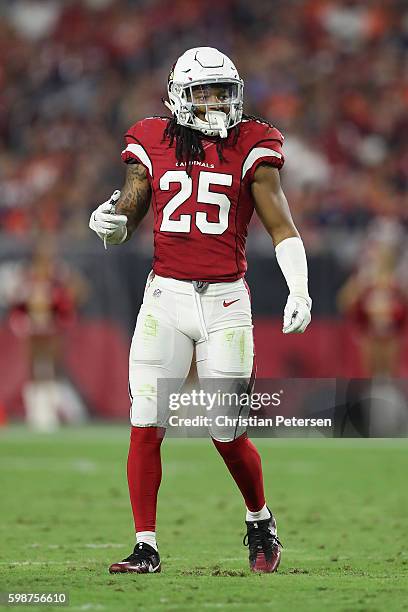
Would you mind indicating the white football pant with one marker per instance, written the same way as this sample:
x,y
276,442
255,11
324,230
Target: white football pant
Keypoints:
x,y
173,320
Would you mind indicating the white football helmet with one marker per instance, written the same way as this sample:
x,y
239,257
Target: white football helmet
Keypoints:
x,y
204,79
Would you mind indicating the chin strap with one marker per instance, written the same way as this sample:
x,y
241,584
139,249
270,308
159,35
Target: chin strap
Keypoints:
x,y
220,119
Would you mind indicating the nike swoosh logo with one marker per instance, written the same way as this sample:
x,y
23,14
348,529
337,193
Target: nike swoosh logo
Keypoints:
x,y
226,304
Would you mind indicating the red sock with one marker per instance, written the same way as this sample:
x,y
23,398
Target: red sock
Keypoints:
x,y
243,461
144,475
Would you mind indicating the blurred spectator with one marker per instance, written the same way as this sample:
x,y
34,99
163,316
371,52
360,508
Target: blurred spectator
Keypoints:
x,y
42,309
376,301
75,74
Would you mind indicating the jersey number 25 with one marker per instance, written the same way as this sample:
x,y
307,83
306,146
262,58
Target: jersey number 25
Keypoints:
x,y
204,196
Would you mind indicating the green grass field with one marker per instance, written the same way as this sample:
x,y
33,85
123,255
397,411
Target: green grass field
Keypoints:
x,y
341,508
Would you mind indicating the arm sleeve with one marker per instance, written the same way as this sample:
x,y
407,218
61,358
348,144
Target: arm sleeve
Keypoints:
x,y
135,151
267,151
291,257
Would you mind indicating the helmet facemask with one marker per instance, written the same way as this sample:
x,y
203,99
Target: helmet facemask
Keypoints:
x,y
211,106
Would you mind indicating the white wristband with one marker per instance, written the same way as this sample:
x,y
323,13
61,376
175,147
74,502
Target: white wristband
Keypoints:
x,y
291,257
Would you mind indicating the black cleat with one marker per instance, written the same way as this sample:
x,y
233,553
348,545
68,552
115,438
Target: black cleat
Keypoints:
x,y
264,545
143,560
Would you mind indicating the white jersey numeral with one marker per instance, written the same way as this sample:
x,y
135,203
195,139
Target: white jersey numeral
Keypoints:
x,y
204,196
183,224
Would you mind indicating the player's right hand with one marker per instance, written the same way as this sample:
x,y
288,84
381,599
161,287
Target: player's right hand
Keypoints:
x,y
110,227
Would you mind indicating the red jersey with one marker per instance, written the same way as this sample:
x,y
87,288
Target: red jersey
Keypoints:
x,y
201,221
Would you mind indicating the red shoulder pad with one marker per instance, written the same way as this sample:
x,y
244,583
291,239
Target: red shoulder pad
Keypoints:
x,y
264,147
139,139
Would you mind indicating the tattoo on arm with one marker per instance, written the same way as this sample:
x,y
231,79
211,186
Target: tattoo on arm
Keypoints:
x,y
135,196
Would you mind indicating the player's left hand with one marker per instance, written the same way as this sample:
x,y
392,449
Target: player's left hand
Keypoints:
x,y
296,316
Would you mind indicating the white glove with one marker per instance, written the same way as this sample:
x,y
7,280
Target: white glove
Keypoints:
x,y
291,257
296,316
110,227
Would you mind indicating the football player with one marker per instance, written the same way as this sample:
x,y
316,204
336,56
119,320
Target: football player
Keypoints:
x,y
203,170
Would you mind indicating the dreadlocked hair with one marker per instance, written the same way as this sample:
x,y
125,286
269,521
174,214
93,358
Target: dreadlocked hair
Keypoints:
x,y
189,145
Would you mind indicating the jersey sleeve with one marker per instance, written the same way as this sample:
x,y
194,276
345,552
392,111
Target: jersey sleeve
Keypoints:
x,y
136,150
267,150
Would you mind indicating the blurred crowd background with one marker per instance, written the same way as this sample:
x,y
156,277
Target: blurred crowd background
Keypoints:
x,y
74,75
331,75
